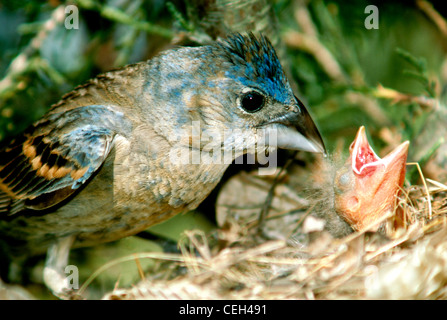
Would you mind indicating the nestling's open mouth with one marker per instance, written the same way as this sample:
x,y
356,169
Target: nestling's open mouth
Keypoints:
x,y
365,161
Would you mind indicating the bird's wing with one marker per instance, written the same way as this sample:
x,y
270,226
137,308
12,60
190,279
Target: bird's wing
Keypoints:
x,y
54,157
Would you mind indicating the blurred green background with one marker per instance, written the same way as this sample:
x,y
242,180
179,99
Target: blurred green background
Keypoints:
x,y
391,79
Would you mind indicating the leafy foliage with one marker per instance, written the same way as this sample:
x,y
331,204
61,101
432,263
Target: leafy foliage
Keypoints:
x,y
392,80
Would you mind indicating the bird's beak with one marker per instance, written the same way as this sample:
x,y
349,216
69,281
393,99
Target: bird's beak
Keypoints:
x,y
296,131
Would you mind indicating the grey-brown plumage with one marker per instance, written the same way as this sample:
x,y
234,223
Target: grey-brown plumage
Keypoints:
x,y
102,165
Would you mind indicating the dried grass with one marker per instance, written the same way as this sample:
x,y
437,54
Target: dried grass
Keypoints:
x,y
294,260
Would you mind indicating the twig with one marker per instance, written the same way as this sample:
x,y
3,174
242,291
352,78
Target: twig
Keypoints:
x,y
140,269
321,54
143,255
266,208
434,15
430,213
399,97
302,17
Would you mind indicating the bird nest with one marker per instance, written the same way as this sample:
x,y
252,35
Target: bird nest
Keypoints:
x,y
289,255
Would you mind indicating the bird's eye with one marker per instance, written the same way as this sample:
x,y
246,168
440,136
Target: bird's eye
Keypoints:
x,y
252,101
343,180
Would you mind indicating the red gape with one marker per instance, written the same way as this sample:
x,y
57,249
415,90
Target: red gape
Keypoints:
x,y
370,184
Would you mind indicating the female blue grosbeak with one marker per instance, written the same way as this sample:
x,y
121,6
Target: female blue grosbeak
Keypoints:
x,y
98,166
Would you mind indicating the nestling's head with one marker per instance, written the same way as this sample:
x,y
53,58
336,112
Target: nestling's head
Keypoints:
x,y
365,188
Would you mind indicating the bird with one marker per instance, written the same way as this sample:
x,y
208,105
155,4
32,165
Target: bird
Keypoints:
x,y
362,192
137,145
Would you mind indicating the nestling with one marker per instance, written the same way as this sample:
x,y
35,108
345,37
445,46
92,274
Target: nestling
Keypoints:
x,y
98,166
364,188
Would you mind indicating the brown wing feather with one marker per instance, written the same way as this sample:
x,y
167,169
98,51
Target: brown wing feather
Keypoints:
x,y
53,158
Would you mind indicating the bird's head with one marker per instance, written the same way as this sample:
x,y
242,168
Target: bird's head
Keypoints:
x,y
261,101
366,186
241,95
